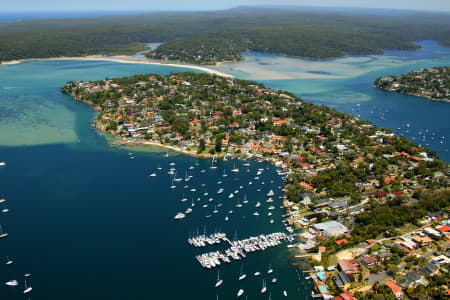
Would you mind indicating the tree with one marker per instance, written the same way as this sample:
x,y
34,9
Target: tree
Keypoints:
x,y
218,147
202,146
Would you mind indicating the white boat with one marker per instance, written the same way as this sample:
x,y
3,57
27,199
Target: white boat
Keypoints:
x,y
12,283
231,195
242,276
167,154
5,210
219,281
153,175
264,288
271,221
245,199
257,273
2,164
256,213
246,164
238,204
9,261
27,288
2,200
220,191
270,193
226,219
285,293
193,190
2,235
271,208
258,204
274,280
270,271
240,293
188,211
27,275
235,170
215,211
179,216
172,164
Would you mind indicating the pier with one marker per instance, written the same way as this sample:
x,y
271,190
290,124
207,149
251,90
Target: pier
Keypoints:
x,y
238,249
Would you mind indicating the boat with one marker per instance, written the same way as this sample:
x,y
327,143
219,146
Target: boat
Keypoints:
x,y
274,280
285,293
172,164
235,170
167,154
219,281
153,175
159,167
240,293
238,204
224,174
27,288
257,273
179,216
212,164
271,221
231,195
270,271
9,261
2,200
246,164
215,211
184,198
27,275
256,213
12,283
242,276
270,193
2,164
2,235
226,219
245,199
258,204
264,288
188,211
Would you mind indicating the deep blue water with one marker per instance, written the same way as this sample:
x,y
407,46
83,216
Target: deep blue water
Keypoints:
x,y
89,223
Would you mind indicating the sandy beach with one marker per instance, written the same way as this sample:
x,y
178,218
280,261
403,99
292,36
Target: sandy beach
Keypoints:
x,y
121,59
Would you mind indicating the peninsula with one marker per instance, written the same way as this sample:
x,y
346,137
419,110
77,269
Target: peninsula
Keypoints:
x,y
368,207
433,83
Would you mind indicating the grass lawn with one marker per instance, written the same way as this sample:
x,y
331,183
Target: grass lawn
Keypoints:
x,y
332,260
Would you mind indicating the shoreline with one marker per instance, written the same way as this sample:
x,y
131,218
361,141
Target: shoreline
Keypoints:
x,y
156,144
120,59
416,95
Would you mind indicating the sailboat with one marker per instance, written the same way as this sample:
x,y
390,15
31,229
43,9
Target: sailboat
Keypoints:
x,y
173,186
285,293
245,199
167,154
212,164
184,198
224,173
9,261
12,283
238,204
240,293
219,281
235,170
242,275
159,167
215,211
2,235
27,289
264,288
270,271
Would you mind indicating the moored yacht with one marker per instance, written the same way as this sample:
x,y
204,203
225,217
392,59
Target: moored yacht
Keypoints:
x,y
240,293
219,281
179,216
12,283
27,288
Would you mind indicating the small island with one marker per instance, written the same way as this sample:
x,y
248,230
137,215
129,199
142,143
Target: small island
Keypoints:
x,y
366,206
433,83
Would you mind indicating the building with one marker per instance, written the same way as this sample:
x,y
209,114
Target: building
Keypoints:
x,y
395,288
349,266
330,228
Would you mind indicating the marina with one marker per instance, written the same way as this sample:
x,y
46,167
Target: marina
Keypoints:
x,y
239,249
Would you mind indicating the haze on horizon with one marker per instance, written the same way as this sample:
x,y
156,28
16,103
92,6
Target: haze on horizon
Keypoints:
x,y
182,5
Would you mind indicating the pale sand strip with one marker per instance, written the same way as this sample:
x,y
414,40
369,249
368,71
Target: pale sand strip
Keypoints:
x,y
121,60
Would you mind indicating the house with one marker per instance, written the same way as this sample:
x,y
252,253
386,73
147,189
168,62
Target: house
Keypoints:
x,y
349,266
369,260
395,288
422,240
343,280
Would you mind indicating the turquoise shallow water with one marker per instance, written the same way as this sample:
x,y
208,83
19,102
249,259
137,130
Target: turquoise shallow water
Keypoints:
x,y
89,223
346,82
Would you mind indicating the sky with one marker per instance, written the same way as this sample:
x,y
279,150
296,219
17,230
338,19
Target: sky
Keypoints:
x,y
165,5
